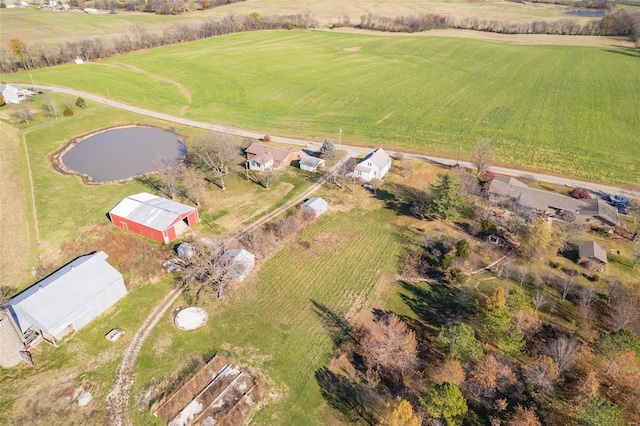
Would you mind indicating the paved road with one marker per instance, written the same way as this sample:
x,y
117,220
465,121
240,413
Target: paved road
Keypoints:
x,y
559,180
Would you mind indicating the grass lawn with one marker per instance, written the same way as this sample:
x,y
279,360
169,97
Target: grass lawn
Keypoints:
x,y
272,322
18,255
564,110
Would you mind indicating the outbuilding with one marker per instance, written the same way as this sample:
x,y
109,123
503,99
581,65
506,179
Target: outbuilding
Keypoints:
x,y
592,253
315,206
65,301
154,217
311,164
241,263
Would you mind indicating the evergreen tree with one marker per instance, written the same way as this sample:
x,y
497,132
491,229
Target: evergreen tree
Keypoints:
x,y
328,149
445,201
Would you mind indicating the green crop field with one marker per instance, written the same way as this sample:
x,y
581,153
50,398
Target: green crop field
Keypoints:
x,y
565,110
272,322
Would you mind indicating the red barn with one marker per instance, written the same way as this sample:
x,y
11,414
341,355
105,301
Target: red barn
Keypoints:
x,y
154,217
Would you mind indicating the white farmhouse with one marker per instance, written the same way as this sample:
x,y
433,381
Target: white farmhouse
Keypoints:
x,y
374,166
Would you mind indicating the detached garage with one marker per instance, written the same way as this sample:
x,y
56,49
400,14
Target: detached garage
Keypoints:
x,y
65,301
154,217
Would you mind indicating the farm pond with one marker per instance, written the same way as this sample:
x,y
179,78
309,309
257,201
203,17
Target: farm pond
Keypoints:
x,y
121,153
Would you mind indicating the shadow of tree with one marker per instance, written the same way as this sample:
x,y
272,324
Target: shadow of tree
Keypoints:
x,y
343,394
435,303
337,325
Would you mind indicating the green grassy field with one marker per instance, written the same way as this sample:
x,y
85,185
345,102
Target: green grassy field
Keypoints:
x,y
564,110
15,202
272,323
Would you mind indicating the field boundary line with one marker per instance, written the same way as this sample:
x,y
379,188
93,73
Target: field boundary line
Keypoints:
x,y
33,196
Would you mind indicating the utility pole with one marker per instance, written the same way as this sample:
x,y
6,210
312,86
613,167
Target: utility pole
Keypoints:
x,y
458,157
340,137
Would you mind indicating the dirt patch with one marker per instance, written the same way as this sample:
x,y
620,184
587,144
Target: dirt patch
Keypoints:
x,y
352,49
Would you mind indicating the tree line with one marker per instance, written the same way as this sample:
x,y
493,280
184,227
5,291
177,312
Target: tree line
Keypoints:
x,y
622,23
19,55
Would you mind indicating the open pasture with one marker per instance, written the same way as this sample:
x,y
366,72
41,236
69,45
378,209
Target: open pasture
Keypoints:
x,y
281,321
565,110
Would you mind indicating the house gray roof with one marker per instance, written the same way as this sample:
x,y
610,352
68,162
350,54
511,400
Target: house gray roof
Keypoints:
x,y
48,303
311,161
379,158
592,250
602,210
150,210
542,200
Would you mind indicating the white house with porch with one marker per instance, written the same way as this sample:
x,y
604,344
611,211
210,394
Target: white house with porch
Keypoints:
x,y
374,166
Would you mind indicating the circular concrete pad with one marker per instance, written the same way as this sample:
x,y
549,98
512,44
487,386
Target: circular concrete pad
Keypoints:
x,y
191,318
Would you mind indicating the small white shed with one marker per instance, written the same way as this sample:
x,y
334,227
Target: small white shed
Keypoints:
x,y
241,262
315,206
311,164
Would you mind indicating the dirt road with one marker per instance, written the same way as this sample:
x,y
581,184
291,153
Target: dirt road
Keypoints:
x,y
541,177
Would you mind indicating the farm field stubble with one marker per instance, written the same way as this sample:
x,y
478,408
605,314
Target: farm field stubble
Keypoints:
x,y
272,322
564,110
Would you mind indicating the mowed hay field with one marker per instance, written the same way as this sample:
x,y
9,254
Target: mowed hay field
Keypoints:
x,y
272,322
18,253
567,110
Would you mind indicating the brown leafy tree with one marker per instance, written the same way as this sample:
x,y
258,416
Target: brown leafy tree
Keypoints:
x,y
400,413
523,417
542,373
214,154
389,345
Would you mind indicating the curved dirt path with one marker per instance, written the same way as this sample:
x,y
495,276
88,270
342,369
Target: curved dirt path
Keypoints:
x,y
117,411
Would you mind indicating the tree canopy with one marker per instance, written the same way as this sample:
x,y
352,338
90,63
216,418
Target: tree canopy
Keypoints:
x,y
459,341
328,149
446,201
446,402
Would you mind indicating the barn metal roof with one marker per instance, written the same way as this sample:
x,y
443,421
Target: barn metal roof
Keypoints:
x,y
48,303
316,204
150,210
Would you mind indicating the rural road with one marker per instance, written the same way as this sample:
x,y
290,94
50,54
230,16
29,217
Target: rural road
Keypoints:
x,y
541,177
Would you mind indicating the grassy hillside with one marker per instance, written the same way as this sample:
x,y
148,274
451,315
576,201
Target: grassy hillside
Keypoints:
x,y
566,110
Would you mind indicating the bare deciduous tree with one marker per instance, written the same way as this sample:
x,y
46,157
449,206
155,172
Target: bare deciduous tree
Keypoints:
x,y
566,286
539,300
193,185
483,155
389,344
564,351
214,154
271,175
625,312
208,269
169,176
